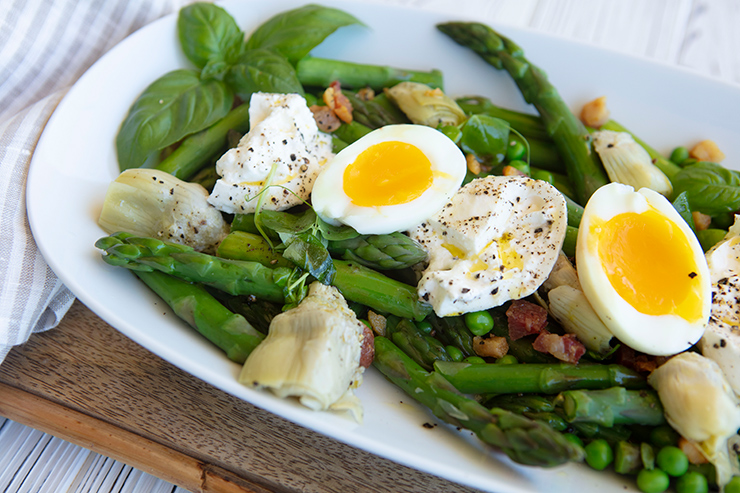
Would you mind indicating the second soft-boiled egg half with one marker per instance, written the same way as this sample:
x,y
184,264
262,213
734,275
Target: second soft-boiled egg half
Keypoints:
x,y
643,270
389,180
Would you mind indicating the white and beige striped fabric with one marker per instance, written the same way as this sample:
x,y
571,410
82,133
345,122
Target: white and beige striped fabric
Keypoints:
x,y
45,46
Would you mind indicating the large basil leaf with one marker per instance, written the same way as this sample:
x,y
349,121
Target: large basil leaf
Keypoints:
x,y
682,206
486,137
262,70
296,32
285,222
711,188
209,36
177,104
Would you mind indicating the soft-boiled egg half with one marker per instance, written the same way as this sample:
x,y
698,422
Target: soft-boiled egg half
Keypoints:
x,y
389,180
642,270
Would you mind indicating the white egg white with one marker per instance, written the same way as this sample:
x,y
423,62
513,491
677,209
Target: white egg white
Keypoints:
x,y
664,334
333,205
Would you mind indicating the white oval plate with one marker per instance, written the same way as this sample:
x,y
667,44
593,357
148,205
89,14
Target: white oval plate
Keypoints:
x,y
75,161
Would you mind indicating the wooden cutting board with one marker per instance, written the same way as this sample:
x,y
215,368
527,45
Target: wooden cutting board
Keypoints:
x,y
87,383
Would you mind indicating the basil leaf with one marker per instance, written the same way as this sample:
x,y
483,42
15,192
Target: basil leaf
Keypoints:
x,y
262,70
176,105
285,222
711,188
486,137
208,34
681,204
296,32
309,253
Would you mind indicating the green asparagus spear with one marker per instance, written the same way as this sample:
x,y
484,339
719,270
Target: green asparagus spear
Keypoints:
x,y
627,458
356,282
321,72
523,440
615,405
376,112
381,293
453,332
569,244
350,132
530,126
385,252
192,303
259,313
422,348
240,245
569,134
536,378
232,276
197,149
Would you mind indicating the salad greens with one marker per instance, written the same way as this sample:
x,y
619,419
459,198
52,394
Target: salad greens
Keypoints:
x,y
523,401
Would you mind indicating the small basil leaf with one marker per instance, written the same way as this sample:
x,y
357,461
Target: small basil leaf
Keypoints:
x,y
711,188
336,233
284,222
176,105
486,137
214,69
681,204
309,253
262,70
207,33
296,32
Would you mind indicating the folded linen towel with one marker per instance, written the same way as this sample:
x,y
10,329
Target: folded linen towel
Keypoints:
x,y
45,46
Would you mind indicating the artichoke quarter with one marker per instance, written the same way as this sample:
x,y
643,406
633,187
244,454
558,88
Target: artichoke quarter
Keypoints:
x,y
426,106
312,352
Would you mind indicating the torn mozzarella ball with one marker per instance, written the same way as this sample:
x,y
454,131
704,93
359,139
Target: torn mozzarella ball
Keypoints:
x,y
496,240
282,133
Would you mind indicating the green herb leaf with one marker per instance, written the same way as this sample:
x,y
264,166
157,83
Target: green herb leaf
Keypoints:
x,y
711,189
309,253
296,32
285,222
208,34
336,233
681,204
486,137
176,105
262,70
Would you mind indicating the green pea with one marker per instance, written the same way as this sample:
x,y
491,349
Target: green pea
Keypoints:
x,y
573,439
672,460
652,481
520,165
599,454
475,360
733,486
479,323
455,353
662,436
692,482
516,150
507,359
679,155
424,326
544,175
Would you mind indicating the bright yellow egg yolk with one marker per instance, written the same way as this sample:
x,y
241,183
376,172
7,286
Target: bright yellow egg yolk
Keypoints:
x,y
388,173
649,262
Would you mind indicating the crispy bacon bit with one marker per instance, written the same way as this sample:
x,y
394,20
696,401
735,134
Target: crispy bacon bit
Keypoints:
x,y
595,113
693,453
565,348
377,322
494,347
707,150
701,221
473,164
525,318
367,351
366,94
325,118
512,171
338,102
639,362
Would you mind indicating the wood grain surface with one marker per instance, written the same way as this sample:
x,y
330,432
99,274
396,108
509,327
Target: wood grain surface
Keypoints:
x,y
87,383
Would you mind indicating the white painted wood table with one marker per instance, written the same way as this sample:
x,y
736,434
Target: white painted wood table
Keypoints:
x,y
700,35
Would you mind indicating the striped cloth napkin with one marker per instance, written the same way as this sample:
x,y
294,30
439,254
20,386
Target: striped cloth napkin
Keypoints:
x,y
45,46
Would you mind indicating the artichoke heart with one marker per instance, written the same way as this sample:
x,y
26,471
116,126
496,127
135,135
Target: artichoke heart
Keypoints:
x,y
152,203
312,352
699,404
426,106
627,162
